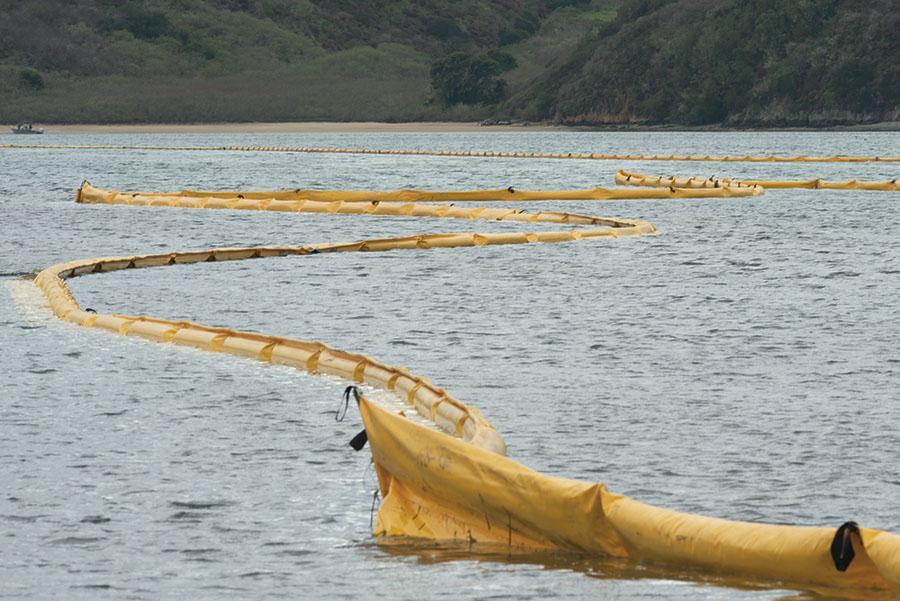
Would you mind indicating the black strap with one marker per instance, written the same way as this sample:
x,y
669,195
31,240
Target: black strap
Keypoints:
x,y
375,496
359,441
341,413
842,546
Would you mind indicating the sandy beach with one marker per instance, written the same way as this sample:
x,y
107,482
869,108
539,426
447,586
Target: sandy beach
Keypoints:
x,y
415,127
309,127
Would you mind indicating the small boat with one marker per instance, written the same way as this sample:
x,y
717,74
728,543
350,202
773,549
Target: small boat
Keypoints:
x,y
26,128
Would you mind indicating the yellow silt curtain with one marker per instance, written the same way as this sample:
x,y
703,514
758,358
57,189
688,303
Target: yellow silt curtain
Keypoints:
x,y
435,486
624,178
452,480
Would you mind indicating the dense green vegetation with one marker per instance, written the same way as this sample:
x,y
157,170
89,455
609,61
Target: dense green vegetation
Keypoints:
x,y
572,61
770,62
464,78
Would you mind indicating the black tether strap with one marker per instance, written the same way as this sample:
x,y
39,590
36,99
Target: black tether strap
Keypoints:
x,y
842,546
372,511
358,441
341,413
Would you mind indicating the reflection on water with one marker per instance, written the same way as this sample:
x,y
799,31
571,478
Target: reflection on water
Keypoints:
x,y
431,553
741,364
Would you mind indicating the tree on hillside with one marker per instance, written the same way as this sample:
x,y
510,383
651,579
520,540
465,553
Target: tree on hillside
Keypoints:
x,y
463,78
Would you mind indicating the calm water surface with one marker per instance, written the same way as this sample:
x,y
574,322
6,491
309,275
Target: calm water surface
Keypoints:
x,y
742,364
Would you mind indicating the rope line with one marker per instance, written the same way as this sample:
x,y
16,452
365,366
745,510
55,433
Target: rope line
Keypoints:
x,y
475,153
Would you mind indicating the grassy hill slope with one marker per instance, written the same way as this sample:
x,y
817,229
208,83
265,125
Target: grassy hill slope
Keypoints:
x,y
225,60
739,62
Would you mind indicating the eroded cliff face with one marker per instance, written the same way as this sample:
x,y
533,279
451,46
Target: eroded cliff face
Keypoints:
x,y
779,116
776,116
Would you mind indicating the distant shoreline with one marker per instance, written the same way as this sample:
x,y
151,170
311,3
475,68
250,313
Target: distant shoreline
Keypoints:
x,y
290,127
414,127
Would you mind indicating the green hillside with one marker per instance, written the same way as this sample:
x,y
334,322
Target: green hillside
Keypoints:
x,y
571,61
227,60
741,62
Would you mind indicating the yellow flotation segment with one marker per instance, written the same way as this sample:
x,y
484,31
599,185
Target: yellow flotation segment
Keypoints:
x,y
385,203
457,492
624,178
481,153
454,481
314,357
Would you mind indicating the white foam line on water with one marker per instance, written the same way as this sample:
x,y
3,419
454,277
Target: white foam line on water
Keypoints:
x,y
34,309
29,301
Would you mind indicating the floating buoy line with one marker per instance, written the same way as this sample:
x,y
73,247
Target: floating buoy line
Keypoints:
x,y
453,481
479,153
